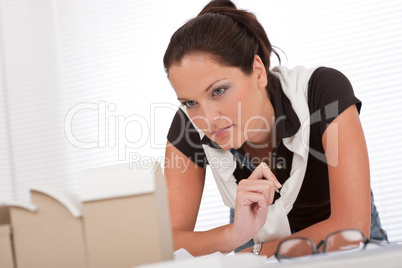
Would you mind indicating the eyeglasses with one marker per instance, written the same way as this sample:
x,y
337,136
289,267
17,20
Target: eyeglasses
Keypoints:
x,y
337,241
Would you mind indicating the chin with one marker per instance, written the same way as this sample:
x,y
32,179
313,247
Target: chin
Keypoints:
x,y
228,145
227,142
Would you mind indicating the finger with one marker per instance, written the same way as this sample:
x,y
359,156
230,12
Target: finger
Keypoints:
x,y
258,186
249,198
262,187
254,201
263,171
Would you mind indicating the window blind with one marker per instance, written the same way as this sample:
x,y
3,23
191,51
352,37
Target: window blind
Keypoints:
x,y
7,189
82,85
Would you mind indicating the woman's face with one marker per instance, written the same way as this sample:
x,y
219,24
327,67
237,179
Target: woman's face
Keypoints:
x,y
228,105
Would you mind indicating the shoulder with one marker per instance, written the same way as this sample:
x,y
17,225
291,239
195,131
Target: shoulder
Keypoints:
x,y
329,78
328,85
186,139
330,93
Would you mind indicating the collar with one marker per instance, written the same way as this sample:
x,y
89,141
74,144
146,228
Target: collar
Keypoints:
x,y
287,122
206,141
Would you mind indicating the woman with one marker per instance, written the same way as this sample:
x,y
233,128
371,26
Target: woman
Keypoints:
x,y
299,126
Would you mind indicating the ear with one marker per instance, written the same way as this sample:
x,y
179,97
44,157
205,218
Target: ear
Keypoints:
x,y
260,72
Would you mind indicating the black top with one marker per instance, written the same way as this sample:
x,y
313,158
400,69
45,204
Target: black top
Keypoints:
x,y
329,94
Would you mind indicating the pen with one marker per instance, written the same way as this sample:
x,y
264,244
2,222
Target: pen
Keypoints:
x,y
244,162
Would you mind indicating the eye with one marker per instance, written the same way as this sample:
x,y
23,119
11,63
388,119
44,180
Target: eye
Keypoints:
x,y
189,104
219,91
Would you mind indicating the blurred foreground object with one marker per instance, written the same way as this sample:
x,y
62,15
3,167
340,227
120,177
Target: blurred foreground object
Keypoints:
x,y
121,219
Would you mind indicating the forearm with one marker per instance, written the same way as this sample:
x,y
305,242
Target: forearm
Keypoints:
x,y
207,242
316,233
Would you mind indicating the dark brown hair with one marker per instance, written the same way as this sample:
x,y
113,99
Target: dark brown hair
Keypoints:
x,y
231,36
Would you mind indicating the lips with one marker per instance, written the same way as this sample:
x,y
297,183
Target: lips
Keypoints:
x,y
221,131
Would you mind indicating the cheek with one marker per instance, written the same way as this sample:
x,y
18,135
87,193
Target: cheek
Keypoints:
x,y
202,123
247,106
200,120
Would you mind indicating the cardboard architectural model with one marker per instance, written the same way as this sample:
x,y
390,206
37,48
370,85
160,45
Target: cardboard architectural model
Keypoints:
x,y
121,219
126,216
48,231
6,255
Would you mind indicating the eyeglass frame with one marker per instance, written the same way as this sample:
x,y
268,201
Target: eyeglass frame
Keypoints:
x,y
324,243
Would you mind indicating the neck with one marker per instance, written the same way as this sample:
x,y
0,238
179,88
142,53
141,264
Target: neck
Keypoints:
x,y
265,138
268,142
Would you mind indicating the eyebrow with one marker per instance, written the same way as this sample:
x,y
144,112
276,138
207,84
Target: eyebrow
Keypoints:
x,y
207,89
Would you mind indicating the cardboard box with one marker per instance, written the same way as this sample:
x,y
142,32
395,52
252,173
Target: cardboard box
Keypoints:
x,y
126,216
48,231
6,251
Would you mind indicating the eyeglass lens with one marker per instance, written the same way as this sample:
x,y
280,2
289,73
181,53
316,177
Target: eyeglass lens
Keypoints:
x,y
338,241
295,247
344,240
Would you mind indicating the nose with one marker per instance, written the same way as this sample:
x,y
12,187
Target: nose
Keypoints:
x,y
211,113
206,119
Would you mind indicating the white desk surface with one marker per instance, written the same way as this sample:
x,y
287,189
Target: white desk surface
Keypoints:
x,y
382,257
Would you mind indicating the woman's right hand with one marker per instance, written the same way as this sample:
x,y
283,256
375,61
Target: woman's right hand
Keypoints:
x,y
254,195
